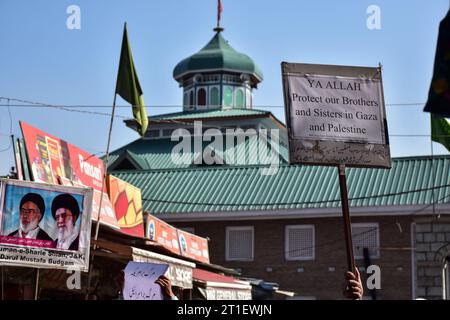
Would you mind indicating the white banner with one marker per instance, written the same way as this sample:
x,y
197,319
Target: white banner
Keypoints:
x,y
335,115
336,108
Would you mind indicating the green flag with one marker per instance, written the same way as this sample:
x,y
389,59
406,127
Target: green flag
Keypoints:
x,y
440,130
439,94
128,86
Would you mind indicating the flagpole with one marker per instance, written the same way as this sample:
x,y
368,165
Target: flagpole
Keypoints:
x,y
218,28
97,226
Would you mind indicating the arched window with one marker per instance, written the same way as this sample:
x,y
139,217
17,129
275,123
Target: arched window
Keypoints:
x,y
191,98
239,98
201,97
228,96
214,97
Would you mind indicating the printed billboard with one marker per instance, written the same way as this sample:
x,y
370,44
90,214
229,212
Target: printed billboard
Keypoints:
x,y
56,161
44,226
163,233
193,246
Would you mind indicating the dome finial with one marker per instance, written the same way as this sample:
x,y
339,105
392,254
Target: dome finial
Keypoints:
x,y
219,15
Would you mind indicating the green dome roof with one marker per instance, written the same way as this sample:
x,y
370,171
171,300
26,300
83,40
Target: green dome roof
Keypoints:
x,y
217,55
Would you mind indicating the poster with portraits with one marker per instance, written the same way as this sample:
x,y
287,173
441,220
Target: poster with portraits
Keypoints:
x,y
44,226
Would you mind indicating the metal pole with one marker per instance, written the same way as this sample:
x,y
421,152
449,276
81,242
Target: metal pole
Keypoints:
x,y
97,226
36,290
106,167
346,215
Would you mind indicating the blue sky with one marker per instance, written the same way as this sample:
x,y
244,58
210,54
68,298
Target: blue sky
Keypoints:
x,y
42,60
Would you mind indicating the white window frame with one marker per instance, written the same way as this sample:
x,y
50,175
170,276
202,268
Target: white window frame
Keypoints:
x,y
227,245
370,225
248,94
286,242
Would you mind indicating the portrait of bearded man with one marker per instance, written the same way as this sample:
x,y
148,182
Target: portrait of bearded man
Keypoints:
x,y
32,210
65,211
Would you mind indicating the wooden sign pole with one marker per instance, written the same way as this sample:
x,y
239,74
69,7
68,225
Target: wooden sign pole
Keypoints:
x,y
346,215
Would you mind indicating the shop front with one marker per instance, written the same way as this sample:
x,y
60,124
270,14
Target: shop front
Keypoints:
x,y
212,286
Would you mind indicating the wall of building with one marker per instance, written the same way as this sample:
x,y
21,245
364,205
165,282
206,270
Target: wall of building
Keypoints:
x,y
316,278
432,247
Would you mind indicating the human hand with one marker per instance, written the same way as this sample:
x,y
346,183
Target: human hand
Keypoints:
x,y
166,286
353,286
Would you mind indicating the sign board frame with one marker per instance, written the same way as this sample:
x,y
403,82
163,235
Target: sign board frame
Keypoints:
x,y
35,252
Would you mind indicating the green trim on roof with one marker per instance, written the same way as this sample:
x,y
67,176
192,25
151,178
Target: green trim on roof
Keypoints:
x,y
238,188
142,163
207,114
217,55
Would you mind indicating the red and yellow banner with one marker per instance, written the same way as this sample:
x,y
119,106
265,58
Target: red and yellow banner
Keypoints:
x,y
127,202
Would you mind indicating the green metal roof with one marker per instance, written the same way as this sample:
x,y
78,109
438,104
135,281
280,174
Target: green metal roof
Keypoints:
x,y
207,189
210,114
157,153
217,55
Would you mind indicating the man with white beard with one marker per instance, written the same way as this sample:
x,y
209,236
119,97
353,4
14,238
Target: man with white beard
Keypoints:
x,y
32,209
65,211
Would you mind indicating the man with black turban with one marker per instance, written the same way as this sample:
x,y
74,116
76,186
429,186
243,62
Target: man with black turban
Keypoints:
x,y
32,209
65,211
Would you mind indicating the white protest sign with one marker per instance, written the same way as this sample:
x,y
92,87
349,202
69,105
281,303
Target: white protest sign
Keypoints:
x,y
140,280
335,115
336,108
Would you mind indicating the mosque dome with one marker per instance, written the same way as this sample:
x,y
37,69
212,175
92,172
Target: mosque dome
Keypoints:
x,y
217,56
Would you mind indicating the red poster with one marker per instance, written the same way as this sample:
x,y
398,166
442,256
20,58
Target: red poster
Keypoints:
x,y
193,246
163,233
51,157
55,161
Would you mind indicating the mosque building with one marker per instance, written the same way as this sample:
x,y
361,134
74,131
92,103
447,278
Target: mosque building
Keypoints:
x,y
284,225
